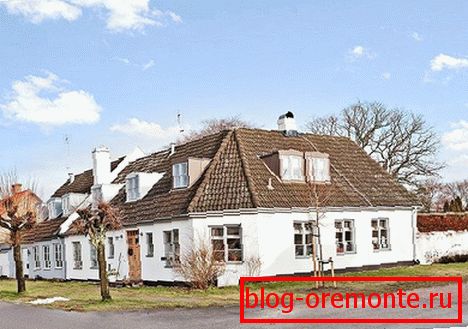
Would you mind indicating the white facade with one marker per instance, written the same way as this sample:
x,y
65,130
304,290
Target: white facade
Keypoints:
x,y
268,237
433,245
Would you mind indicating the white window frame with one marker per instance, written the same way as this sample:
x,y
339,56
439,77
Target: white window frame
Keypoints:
x,y
36,257
380,243
46,257
149,244
54,207
224,238
58,253
171,247
314,173
132,187
77,256
303,231
66,204
288,170
93,257
111,247
180,175
343,226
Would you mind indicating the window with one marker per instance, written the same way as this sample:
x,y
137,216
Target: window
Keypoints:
x,y
77,261
344,236
55,207
380,236
133,187
319,168
110,242
58,255
171,247
303,237
180,174
149,245
66,204
46,257
292,167
36,258
93,256
226,243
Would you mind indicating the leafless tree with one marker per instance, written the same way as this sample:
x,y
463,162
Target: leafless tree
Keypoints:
x,y
458,189
199,266
439,196
400,141
95,222
18,212
213,126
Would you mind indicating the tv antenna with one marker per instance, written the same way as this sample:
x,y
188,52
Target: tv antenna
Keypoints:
x,y
67,141
179,122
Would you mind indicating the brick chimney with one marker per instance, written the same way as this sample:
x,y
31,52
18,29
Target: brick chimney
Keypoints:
x,y
16,188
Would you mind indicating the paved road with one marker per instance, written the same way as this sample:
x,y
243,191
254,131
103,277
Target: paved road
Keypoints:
x,y
14,316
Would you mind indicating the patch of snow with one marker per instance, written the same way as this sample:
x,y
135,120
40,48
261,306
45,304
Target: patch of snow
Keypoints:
x,y
49,300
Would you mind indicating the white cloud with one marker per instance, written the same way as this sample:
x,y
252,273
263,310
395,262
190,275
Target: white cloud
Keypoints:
x,y
442,61
457,138
416,36
358,52
386,75
44,101
148,65
140,128
121,15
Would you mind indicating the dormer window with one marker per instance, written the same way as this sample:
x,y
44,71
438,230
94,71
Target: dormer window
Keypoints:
x,y
180,175
318,166
55,207
291,165
133,187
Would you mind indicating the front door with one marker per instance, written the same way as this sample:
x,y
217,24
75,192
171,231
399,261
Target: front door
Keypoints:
x,y
134,259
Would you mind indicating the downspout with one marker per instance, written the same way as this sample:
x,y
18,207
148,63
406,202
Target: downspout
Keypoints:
x,y
414,214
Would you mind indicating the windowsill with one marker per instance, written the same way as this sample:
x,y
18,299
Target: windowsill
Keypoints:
x,y
93,268
346,253
382,250
47,269
110,257
304,257
58,268
37,269
233,262
77,268
150,256
293,181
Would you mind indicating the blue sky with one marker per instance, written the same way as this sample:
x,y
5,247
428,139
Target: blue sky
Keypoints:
x,y
117,72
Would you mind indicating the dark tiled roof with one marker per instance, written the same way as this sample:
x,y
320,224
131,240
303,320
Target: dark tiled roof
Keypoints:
x,y
82,182
43,231
238,178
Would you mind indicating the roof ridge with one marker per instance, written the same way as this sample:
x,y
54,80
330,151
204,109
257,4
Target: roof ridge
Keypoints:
x,y
246,170
208,171
339,173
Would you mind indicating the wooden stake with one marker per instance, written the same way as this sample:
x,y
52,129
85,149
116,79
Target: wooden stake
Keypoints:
x,y
332,268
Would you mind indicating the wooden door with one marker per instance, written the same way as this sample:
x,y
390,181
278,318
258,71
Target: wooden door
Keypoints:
x,y
134,259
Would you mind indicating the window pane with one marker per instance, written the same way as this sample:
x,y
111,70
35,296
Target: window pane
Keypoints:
x,y
233,230
339,247
217,231
234,255
217,245
234,243
298,239
299,250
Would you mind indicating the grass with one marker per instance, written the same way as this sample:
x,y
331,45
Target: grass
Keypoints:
x,y
85,296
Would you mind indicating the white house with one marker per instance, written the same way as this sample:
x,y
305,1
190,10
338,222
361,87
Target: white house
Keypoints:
x,y
255,196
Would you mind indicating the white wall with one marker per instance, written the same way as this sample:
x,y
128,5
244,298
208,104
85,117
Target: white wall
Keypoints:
x,y
6,262
433,245
41,272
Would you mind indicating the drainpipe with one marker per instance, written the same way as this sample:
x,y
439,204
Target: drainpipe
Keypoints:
x,y
414,214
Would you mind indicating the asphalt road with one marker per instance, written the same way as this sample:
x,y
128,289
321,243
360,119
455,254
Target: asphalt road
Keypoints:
x,y
14,316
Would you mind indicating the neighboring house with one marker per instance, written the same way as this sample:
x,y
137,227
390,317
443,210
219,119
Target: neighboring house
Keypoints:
x,y
246,193
45,241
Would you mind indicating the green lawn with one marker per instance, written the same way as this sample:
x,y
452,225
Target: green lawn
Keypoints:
x,y
85,296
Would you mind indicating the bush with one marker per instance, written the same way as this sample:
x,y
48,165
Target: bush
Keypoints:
x,y
458,258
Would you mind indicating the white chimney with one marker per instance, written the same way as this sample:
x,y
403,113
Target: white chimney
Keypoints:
x,y
71,177
101,165
287,124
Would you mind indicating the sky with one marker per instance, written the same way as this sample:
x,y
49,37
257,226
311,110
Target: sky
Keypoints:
x,y
75,74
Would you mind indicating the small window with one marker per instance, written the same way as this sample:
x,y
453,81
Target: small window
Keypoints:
x,y
36,258
58,255
344,236
303,239
133,187
77,260
66,204
292,167
149,245
180,174
93,256
55,207
226,242
171,247
319,168
46,257
110,243
380,234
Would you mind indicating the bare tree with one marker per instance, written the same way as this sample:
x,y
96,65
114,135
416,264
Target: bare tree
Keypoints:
x,y
95,222
438,196
402,142
18,212
199,266
458,189
213,126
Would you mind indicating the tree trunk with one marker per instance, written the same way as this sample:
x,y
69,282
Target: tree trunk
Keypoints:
x,y
104,280
21,282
